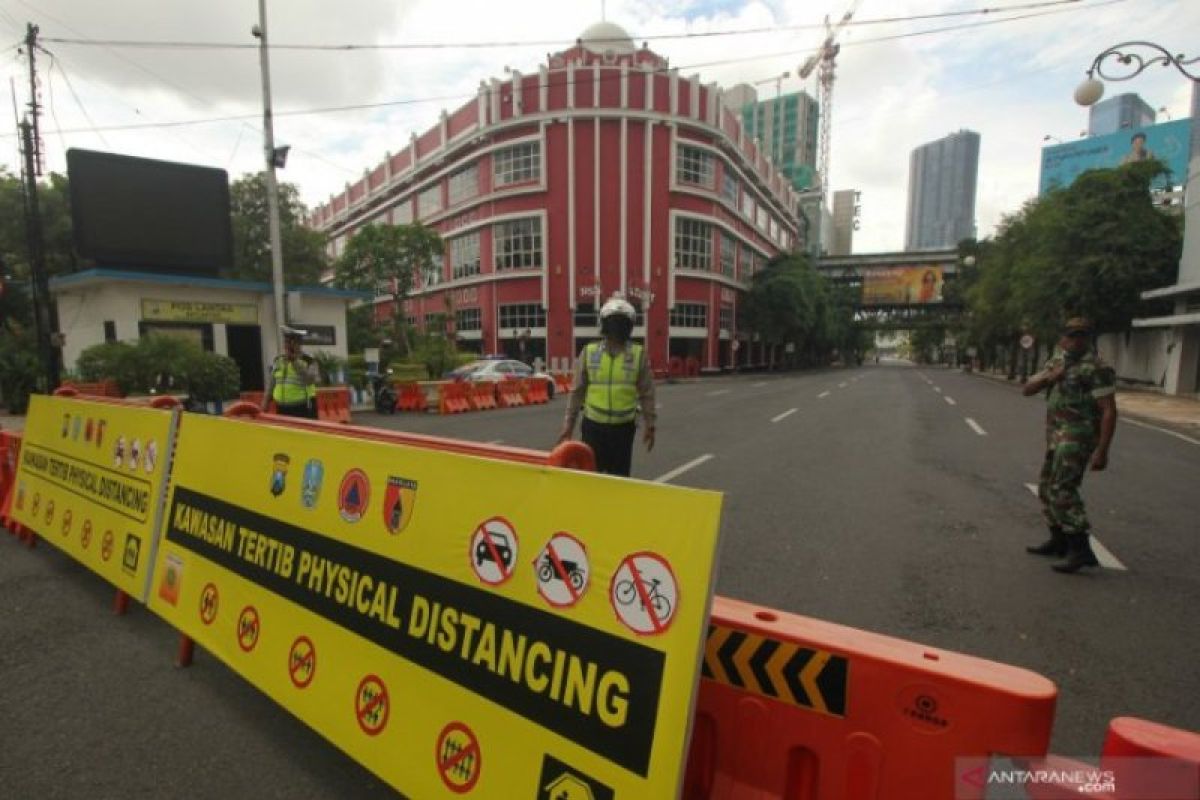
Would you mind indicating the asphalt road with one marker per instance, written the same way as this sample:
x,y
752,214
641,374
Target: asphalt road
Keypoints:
x,y
887,498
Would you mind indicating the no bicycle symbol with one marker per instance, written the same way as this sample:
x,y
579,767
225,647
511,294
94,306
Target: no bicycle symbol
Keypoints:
x,y
371,705
494,551
562,570
209,600
248,628
459,759
302,662
644,593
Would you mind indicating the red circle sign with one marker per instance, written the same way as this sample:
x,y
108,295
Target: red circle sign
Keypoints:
x,y
248,628
562,570
302,662
106,545
371,705
209,600
459,759
493,551
644,593
85,535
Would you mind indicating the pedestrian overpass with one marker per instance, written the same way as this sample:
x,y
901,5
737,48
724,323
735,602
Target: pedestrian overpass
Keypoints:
x,y
898,291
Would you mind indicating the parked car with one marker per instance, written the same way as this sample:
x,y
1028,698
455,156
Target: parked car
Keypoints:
x,y
498,369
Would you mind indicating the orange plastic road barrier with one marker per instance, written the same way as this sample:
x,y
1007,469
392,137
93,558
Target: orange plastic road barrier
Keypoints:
x,y
508,392
452,398
482,395
410,397
562,382
534,391
333,403
791,707
10,451
95,389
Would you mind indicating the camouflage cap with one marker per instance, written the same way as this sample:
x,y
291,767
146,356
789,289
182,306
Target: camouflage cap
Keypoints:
x,y
1081,324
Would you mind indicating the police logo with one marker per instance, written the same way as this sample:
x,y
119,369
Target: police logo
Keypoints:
x,y
310,484
353,495
279,470
398,502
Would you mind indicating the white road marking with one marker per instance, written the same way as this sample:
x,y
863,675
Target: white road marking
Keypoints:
x,y
787,413
949,400
842,385
937,389
757,385
1140,424
1103,554
718,392
823,394
975,426
667,477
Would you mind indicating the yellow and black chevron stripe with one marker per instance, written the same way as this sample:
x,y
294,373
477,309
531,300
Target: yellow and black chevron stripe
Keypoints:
x,y
782,671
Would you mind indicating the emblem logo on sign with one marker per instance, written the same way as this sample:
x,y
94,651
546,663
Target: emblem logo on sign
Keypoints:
x,y
172,578
119,452
151,456
561,782
398,502
66,426
87,430
76,427
310,484
135,454
100,426
353,495
279,474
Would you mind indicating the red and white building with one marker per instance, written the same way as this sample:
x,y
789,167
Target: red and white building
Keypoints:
x,y
604,171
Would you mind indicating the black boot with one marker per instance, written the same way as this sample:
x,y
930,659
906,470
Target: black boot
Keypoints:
x,y
1079,555
1056,545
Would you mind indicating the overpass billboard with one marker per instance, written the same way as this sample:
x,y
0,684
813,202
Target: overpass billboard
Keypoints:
x,y
902,286
1169,142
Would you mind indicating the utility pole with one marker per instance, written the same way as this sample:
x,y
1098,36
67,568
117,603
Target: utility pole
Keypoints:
x,y
260,31
31,167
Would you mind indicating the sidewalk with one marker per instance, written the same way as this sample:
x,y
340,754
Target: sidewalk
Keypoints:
x,y
1180,414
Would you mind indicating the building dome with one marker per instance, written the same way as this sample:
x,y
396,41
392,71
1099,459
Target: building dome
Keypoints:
x,y
607,36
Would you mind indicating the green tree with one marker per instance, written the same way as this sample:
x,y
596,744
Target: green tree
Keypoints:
x,y
386,259
304,258
789,302
54,205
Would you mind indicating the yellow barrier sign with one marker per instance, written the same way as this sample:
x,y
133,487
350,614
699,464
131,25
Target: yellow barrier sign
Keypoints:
x,y
90,482
456,624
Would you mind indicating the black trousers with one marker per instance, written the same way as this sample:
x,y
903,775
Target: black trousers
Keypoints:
x,y
612,444
305,410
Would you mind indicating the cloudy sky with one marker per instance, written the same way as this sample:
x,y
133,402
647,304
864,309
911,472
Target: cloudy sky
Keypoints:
x,y
1009,80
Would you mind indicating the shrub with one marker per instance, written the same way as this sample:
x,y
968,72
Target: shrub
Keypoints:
x,y
19,371
210,377
330,367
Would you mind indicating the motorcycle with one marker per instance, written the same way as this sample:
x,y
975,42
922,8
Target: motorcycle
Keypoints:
x,y
385,393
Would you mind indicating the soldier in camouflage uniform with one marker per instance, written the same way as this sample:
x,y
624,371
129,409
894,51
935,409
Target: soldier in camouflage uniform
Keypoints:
x,y
1081,415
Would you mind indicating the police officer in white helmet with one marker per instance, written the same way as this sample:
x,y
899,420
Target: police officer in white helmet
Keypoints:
x,y
292,382
612,382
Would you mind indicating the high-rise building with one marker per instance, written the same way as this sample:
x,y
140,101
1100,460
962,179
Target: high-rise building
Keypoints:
x,y
845,215
941,192
599,171
1118,113
785,127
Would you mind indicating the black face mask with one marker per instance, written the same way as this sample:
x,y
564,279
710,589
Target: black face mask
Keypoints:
x,y
618,326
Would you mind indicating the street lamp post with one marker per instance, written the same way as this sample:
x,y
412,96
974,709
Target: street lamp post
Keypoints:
x,y
1126,63
273,159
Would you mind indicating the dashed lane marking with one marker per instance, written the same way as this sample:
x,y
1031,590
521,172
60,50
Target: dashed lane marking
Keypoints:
x,y
784,415
667,477
1103,554
718,392
842,385
758,385
975,426
949,400
937,389
822,395
1141,424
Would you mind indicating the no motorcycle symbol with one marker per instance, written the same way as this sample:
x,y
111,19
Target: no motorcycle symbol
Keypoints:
x,y
562,570
371,705
248,628
302,662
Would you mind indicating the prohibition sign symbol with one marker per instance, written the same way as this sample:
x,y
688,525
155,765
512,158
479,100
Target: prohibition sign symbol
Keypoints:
x,y
493,552
49,512
458,756
562,570
66,522
371,705
302,662
209,600
106,545
248,628
644,593
85,536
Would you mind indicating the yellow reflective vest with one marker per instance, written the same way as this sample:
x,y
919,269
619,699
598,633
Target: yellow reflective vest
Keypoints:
x,y
612,393
290,388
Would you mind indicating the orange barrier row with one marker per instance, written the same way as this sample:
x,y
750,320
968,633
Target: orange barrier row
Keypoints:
x,y
95,389
508,393
483,395
562,382
333,404
793,707
453,398
535,391
410,397
257,399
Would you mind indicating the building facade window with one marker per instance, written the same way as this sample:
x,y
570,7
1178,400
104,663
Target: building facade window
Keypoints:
x,y
693,166
468,319
431,275
726,321
464,184
521,163
402,213
728,255
748,206
729,187
749,264
586,316
520,316
518,244
761,218
464,256
693,245
429,202
689,315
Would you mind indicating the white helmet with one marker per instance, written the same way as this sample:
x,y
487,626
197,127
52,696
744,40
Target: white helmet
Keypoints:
x,y
617,305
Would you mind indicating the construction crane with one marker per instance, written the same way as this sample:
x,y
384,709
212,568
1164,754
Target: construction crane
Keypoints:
x,y
825,57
